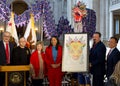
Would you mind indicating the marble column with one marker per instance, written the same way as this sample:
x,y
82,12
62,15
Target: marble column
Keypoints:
x,y
69,11
107,19
96,7
111,24
55,7
102,18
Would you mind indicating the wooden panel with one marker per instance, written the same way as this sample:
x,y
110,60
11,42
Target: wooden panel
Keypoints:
x,y
14,68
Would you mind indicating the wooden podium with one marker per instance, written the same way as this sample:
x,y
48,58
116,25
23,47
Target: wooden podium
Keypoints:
x,y
15,73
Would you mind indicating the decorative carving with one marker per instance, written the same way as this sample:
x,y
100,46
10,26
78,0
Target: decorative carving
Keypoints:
x,y
16,78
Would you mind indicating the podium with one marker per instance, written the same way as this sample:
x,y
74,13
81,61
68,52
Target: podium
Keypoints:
x,y
15,74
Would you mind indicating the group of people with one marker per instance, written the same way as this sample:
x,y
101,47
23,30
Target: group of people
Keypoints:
x,y
48,63
10,54
100,64
41,63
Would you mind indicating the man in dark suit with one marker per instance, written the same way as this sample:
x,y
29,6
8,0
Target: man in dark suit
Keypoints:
x,y
113,56
6,48
97,60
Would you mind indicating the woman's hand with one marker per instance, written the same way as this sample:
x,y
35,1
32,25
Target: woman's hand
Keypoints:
x,y
33,76
55,65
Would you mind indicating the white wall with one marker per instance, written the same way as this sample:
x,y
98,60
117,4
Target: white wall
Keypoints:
x,y
118,45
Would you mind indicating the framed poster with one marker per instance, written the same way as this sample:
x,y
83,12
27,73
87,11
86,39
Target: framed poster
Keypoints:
x,y
75,53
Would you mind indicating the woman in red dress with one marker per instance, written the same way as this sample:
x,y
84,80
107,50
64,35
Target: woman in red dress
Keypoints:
x,y
53,60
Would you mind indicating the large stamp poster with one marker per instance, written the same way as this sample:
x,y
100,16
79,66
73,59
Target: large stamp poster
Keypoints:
x,y
75,53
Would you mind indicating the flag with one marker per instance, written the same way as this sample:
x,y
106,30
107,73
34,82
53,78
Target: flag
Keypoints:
x,y
30,34
12,28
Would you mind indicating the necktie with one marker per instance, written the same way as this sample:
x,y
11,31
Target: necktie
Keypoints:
x,y
109,53
7,53
94,44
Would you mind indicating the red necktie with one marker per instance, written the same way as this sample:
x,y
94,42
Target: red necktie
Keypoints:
x,y
7,53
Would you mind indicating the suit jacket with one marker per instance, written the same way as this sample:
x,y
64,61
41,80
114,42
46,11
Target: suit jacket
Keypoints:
x,y
3,53
97,59
112,59
49,57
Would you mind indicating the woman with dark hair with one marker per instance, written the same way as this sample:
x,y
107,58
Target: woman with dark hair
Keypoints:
x,y
53,60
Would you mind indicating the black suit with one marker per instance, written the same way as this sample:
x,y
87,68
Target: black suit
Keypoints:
x,y
112,60
97,60
3,58
3,53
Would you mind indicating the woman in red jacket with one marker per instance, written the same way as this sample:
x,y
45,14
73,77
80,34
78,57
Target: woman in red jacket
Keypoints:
x,y
53,60
37,65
